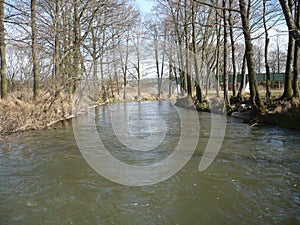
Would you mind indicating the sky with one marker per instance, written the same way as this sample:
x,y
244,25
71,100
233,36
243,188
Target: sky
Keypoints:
x,y
145,5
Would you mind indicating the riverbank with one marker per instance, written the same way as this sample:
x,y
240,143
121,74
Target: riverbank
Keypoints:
x,y
285,114
20,113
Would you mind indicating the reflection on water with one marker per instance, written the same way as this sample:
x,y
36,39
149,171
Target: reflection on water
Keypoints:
x,y
254,179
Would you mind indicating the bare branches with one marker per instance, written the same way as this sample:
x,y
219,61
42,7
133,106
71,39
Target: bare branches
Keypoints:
x,y
215,6
291,23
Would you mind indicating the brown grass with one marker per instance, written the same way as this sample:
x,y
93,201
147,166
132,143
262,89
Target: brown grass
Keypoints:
x,y
20,113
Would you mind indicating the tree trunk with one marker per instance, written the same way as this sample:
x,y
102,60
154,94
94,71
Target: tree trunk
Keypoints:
x,y
267,41
243,78
254,93
170,71
139,73
187,42
76,50
125,66
36,81
56,41
163,62
225,71
125,87
288,90
3,53
95,65
291,23
296,55
159,75
234,75
115,66
194,40
218,32
65,43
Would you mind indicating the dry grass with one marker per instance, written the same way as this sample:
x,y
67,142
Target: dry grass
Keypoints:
x,y
19,112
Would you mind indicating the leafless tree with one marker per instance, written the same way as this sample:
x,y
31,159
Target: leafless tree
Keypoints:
x,y
3,52
35,60
254,92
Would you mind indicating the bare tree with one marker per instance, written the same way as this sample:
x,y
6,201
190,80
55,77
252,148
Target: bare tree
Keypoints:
x,y
35,60
267,42
291,23
254,93
3,52
225,56
136,37
243,78
296,65
159,70
124,63
76,46
195,54
218,28
288,91
233,57
57,40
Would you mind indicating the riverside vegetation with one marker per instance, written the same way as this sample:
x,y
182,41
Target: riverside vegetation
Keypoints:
x,y
50,48
23,114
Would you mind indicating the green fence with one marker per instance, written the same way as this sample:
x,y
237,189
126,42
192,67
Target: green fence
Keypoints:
x,y
261,77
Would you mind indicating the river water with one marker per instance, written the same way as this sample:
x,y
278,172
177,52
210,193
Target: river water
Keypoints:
x,y
254,179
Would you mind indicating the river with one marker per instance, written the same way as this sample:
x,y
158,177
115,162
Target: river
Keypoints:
x,y
254,179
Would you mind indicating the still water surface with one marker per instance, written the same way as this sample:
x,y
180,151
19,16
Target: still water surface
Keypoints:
x,y
255,178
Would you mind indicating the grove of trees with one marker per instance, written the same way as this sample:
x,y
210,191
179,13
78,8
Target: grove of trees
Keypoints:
x,y
54,46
